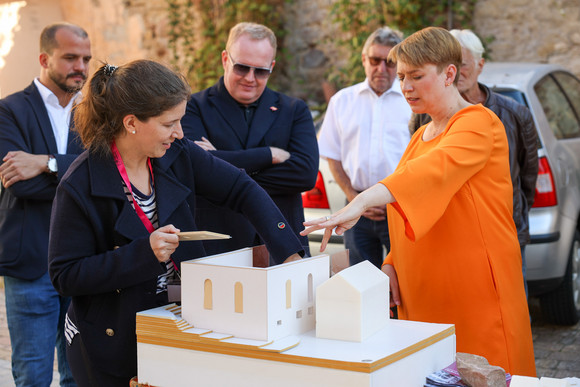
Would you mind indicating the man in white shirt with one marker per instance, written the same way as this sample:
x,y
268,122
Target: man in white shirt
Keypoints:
x,y
36,149
363,136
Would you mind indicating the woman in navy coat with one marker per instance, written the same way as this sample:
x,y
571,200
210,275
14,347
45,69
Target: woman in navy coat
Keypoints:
x,y
117,211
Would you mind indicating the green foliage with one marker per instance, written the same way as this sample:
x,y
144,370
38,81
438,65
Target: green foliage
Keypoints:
x,y
357,19
199,28
199,31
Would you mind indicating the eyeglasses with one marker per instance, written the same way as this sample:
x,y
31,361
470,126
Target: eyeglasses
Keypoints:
x,y
242,70
376,61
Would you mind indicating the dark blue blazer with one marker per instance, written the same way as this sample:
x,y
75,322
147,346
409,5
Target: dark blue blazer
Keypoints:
x,y
99,249
25,206
279,121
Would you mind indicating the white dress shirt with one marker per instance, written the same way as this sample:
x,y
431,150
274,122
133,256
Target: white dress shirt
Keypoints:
x,y
59,116
366,133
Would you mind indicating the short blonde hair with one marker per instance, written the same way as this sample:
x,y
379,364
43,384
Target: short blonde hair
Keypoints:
x,y
255,31
432,45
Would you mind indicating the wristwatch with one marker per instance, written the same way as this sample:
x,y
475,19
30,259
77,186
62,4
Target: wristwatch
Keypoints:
x,y
51,165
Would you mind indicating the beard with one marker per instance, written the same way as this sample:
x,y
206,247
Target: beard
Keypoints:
x,y
61,81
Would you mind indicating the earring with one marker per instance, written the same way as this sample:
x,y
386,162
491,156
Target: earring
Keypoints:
x,y
132,132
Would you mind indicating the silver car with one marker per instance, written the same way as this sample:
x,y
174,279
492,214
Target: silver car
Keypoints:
x,y
553,257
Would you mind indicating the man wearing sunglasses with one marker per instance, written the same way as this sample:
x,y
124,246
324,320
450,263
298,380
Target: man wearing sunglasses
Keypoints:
x,y
268,134
363,137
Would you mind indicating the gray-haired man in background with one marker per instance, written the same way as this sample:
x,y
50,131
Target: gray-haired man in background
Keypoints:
x,y
363,136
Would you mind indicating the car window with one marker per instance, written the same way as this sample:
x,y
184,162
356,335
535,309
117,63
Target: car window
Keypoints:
x,y
571,86
516,95
560,114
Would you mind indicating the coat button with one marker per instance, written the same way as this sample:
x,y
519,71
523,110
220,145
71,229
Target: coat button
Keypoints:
x,y
110,332
118,291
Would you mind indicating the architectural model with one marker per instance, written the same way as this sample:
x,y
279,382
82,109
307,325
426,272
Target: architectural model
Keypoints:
x,y
353,304
246,324
227,294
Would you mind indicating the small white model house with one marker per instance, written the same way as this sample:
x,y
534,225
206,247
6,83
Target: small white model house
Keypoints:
x,y
227,294
353,304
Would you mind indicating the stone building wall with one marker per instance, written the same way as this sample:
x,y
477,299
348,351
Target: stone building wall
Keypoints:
x,y
545,31
122,30
515,30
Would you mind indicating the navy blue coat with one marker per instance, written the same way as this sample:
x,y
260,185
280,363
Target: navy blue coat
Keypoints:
x,y
25,206
279,121
99,250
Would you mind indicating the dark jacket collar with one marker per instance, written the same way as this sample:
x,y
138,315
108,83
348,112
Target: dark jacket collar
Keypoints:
x,y
33,97
229,108
488,94
105,181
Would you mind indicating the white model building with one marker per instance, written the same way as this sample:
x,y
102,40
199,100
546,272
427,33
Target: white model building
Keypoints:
x,y
353,304
226,294
255,327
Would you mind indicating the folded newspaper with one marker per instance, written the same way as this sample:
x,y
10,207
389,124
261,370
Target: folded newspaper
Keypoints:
x,y
449,377
443,378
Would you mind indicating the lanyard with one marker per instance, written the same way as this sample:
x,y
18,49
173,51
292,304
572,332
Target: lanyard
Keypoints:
x,y
125,177
138,210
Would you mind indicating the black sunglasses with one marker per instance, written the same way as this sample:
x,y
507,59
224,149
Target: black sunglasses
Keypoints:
x,y
375,61
242,70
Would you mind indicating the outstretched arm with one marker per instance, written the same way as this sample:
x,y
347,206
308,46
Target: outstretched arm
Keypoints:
x,y
378,213
344,219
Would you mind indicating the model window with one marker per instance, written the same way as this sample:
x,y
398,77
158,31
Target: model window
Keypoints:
x,y
310,288
239,297
288,294
207,295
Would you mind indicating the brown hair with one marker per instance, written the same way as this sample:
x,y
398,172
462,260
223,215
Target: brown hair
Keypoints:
x,y
143,87
432,45
47,37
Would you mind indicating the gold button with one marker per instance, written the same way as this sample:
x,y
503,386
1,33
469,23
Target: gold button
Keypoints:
x,y
118,291
110,332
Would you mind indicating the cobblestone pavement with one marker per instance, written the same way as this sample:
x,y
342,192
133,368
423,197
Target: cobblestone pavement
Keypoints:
x,y
557,348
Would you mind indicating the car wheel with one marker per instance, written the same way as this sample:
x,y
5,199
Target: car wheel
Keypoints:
x,y
562,306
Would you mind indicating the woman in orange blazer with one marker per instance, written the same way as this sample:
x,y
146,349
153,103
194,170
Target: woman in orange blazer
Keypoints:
x,y
455,256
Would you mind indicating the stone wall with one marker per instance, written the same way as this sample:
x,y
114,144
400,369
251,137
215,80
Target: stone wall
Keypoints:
x,y
21,23
121,30
515,30
310,42
531,30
